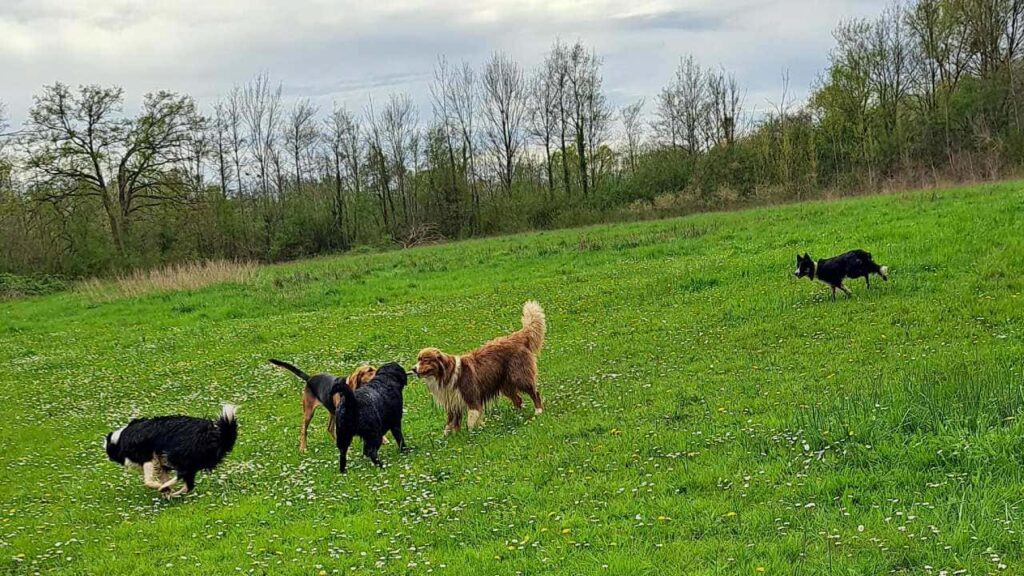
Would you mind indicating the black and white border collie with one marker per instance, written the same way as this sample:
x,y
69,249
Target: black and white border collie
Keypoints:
x,y
832,271
180,443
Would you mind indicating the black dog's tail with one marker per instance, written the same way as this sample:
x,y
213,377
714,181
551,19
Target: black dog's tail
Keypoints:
x,y
349,401
227,424
290,368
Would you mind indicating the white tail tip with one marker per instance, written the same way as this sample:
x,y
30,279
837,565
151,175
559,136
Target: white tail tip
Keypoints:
x,y
885,270
227,412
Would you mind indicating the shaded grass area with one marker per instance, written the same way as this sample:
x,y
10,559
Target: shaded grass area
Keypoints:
x,y
705,412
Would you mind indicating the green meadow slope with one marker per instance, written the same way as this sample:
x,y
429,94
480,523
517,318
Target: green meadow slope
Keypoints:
x,y
706,412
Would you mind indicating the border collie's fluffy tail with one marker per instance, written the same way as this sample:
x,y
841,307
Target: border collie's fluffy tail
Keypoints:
x,y
290,368
227,424
534,325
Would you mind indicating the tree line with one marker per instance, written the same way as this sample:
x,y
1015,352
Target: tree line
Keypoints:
x,y
928,90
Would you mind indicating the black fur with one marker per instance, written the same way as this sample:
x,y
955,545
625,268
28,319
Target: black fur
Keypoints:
x,y
371,412
320,385
181,443
832,271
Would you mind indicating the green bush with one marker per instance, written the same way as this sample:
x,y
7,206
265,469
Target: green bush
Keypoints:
x,y
14,286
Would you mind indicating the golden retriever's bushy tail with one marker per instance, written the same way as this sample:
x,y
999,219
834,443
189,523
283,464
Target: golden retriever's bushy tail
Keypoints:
x,y
534,325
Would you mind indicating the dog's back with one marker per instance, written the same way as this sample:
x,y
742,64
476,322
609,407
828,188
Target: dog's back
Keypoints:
x,y
376,406
182,442
852,264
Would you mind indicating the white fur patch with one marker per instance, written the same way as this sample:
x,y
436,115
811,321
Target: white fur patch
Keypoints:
x,y
446,397
227,412
444,393
885,270
116,436
538,411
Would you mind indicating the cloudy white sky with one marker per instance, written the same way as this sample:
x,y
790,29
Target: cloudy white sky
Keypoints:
x,y
346,51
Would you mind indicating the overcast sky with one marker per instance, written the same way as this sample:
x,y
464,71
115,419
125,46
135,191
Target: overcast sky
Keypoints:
x,y
346,51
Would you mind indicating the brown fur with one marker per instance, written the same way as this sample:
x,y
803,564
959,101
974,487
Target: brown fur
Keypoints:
x,y
505,365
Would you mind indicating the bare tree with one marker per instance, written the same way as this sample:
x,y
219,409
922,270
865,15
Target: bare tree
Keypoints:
x,y
682,108
4,123
463,104
505,110
724,94
195,151
5,164
543,118
261,113
598,117
233,120
300,137
343,136
443,98
221,142
400,124
80,145
589,114
632,128
379,165
556,75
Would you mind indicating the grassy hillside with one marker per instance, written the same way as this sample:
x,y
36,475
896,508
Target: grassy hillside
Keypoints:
x,y
705,413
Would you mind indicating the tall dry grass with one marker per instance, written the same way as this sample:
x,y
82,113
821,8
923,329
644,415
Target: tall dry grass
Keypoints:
x,y
167,279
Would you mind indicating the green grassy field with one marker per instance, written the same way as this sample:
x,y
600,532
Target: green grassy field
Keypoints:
x,y
706,412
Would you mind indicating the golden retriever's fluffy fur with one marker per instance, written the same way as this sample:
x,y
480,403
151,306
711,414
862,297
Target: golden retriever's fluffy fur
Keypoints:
x,y
505,365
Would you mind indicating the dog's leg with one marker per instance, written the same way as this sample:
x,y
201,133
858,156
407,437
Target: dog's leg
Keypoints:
x,y
454,421
538,404
308,406
190,483
476,417
150,471
513,395
344,441
833,293
867,280
399,438
370,447
331,428
168,484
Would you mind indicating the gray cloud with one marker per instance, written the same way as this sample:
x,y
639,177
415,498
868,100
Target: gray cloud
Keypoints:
x,y
680,20
350,51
